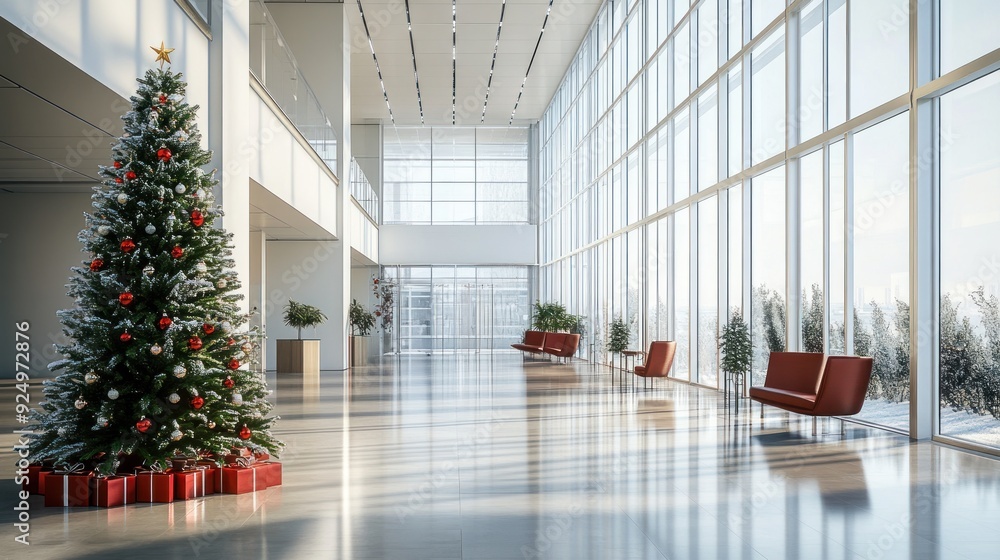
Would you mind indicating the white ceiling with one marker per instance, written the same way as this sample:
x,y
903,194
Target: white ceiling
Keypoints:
x,y
56,123
477,24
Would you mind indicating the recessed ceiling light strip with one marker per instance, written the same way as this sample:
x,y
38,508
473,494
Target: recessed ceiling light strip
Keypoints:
x,y
371,45
489,83
413,53
530,62
453,34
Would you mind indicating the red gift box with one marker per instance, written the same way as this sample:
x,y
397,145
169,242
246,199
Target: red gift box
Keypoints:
x,y
36,479
213,482
67,489
113,491
190,484
272,472
240,480
154,487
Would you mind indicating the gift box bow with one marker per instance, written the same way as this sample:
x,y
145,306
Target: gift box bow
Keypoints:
x,y
75,468
242,462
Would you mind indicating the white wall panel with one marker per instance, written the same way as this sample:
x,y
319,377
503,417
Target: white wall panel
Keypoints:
x,y
482,244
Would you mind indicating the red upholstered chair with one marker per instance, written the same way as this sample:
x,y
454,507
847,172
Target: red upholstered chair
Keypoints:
x,y
659,359
814,384
534,343
570,342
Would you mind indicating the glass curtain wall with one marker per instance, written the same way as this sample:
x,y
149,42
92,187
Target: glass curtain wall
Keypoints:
x,y
458,308
455,175
776,146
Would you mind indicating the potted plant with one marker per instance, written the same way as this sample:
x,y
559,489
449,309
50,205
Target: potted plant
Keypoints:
x,y
553,317
619,335
736,348
299,355
362,322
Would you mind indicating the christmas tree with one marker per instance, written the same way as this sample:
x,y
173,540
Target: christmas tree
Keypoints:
x,y
155,366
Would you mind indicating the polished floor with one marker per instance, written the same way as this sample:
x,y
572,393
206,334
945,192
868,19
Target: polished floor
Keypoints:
x,y
486,457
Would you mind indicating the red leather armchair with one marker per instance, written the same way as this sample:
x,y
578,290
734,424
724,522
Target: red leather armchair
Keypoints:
x,y
814,384
534,342
561,345
659,359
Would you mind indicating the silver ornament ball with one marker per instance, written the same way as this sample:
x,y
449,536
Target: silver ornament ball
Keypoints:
x,y
201,267
155,349
237,399
103,230
180,188
176,435
150,229
102,421
122,198
90,377
80,404
113,394
226,326
211,424
174,398
180,371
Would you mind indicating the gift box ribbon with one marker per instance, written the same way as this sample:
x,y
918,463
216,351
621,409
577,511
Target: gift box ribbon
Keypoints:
x,y
66,470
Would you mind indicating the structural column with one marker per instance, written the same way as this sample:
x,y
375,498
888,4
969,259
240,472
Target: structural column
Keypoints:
x,y
228,107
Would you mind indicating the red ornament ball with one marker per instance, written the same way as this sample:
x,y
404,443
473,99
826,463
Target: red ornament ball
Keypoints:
x,y
163,98
176,252
197,403
130,175
119,180
117,165
228,382
245,432
234,364
126,298
96,264
164,154
194,343
231,341
127,245
378,313
375,281
197,218
125,337
209,328
164,322
143,425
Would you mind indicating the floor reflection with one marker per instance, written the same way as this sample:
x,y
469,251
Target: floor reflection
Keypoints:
x,y
486,456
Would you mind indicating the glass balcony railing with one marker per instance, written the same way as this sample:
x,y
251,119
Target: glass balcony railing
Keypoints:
x,y
362,191
274,66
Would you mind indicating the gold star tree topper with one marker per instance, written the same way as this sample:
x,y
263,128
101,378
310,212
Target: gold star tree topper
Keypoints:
x,y
162,54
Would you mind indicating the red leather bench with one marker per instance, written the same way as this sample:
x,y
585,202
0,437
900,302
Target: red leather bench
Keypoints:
x,y
814,384
561,345
534,342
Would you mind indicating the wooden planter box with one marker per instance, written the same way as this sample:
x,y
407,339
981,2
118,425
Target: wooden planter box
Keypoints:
x,y
359,350
298,356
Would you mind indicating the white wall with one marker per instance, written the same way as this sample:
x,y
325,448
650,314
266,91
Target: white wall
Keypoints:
x,y
38,245
482,244
366,145
307,272
110,40
284,167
